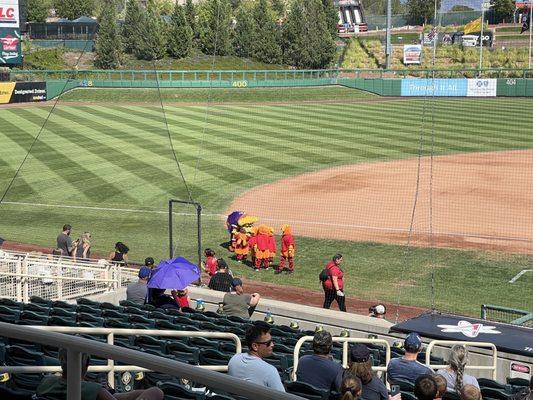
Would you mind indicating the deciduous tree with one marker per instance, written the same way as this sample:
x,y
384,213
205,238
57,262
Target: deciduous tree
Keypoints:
x,y
72,9
421,11
38,10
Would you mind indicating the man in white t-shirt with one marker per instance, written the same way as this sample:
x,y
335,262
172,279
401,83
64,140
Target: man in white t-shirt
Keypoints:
x,y
250,366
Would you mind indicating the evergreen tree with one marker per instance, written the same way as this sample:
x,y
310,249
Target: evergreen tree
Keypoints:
x,y
152,41
108,44
180,34
72,9
308,42
244,32
38,10
214,27
332,16
421,11
190,14
266,46
279,8
132,24
503,9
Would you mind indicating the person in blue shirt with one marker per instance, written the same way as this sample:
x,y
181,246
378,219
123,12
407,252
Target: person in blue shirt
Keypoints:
x,y
407,367
319,369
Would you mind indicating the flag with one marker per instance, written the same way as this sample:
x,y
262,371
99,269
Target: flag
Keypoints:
x,y
473,26
525,23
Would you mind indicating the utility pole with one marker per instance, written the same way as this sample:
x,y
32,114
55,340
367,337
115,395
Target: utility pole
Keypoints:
x,y
388,46
530,10
481,36
436,38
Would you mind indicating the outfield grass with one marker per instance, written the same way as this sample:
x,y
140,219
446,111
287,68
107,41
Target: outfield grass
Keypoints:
x,y
111,157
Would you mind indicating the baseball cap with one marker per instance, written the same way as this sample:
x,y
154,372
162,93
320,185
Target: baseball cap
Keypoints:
x,y
412,342
236,282
144,272
380,309
149,261
359,353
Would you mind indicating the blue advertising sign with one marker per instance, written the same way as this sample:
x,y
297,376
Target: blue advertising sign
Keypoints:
x,y
435,87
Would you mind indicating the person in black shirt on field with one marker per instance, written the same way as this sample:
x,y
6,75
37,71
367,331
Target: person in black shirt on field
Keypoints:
x,y
221,281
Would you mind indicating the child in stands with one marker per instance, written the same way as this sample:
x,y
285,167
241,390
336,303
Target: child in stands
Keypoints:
x,y
210,265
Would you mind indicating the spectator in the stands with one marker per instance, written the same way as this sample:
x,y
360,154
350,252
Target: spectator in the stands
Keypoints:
x,y
377,311
319,369
64,241
250,366
181,297
407,367
120,254
137,291
351,387
149,262
441,386
159,299
470,392
239,304
455,373
82,247
210,265
54,387
221,281
425,387
360,365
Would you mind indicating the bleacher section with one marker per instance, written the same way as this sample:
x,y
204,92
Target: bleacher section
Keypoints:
x,y
191,350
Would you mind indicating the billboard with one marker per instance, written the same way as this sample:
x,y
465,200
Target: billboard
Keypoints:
x,y
481,87
22,92
434,87
9,14
10,46
412,54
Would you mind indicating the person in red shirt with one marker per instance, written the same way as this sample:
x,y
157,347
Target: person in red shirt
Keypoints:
x,y
334,285
288,249
181,297
271,247
211,263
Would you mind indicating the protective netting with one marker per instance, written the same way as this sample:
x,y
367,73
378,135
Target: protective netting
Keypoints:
x,y
428,199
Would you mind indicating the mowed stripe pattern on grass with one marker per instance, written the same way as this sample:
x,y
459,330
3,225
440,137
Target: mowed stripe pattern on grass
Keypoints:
x,y
121,155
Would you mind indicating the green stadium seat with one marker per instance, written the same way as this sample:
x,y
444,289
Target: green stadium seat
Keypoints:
x,y
116,323
128,303
450,396
175,391
31,318
11,304
21,356
214,357
210,326
9,315
65,305
94,320
61,312
518,382
61,321
109,306
135,311
161,316
88,309
203,343
14,394
108,313
169,325
40,300
408,396
150,343
490,383
212,315
227,346
36,307
306,390
405,385
183,352
495,394
86,302
140,319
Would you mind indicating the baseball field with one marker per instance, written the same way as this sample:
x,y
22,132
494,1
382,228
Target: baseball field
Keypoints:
x,y
430,201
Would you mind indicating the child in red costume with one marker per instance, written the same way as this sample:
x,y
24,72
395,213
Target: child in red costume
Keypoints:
x,y
241,245
211,263
288,249
271,246
262,254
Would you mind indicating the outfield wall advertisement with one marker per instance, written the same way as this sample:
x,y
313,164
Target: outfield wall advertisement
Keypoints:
x,y
9,14
449,87
22,92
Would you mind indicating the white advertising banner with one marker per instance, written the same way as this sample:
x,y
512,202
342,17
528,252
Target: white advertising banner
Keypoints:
x,y
412,54
481,88
9,14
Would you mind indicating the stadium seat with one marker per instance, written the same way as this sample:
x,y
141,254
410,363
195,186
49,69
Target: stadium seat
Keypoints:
x,y
160,315
174,391
128,303
495,394
84,308
135,311
86,302
117,323
118,315
198,317
11,304
150,343
13,394
227,346
490,383
31,318
65,305
61,312
408,396
40,300
221,397
140,319
212,315
110,306
92,320
183,352
306,390
210,326
21,356
162,324
203,342
9,314
518,382
37,308
61,321
214,357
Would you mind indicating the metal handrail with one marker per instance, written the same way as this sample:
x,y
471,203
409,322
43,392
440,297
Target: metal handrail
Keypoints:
x,y
111,333
76,345
345,341
492,367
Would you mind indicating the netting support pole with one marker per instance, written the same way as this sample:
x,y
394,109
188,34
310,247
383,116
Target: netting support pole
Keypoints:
x,y
199,226
170,238
198,207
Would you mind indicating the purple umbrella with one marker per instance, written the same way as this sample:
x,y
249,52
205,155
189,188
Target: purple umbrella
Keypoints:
x,y
233,219
177,273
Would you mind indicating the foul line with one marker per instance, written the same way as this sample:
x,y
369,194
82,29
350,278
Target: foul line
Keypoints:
x,y
223,216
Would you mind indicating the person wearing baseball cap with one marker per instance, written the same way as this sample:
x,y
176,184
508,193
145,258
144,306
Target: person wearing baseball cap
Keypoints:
x,y
407,367
360,365
239,304
136,292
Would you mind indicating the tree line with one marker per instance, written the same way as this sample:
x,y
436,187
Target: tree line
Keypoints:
x,y
302,34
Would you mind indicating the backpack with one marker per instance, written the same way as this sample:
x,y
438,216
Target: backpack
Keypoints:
x,y
324,275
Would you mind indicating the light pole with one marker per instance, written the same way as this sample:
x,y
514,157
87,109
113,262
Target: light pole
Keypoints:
x,y
530,10
481,36
388,47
